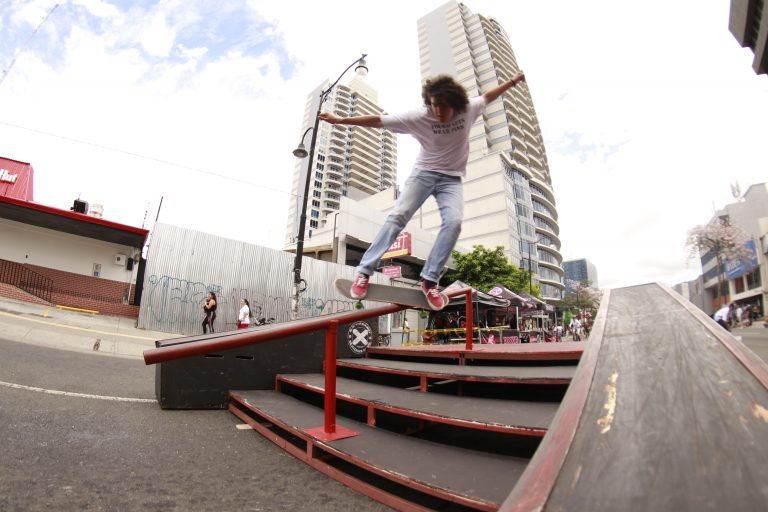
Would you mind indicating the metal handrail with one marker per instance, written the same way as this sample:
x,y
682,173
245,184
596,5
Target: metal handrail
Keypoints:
x,y
328,322
26,279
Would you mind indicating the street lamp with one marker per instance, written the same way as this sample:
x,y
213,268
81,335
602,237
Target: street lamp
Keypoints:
x,y
301,152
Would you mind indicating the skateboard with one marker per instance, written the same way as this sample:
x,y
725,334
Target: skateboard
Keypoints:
x,y
411,297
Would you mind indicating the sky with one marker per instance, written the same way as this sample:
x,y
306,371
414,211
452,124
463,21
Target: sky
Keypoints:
x,y
187,112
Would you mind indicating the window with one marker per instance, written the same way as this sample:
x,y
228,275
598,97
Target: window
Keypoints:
x,y
753,279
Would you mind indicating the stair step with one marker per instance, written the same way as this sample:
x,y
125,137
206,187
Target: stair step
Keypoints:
x,y
476,480
508,374
508,416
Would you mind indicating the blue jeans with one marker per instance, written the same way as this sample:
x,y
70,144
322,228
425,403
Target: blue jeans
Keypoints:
x,y
449,194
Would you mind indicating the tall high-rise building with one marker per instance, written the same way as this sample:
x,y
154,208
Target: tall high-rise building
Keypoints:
x,y
508,195
748,22
349,161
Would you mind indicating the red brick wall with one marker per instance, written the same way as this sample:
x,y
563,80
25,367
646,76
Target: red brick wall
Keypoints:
x,y
12,292
85,292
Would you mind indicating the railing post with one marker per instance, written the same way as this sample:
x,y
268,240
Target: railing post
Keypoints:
x,y
330,431
330,377
470,320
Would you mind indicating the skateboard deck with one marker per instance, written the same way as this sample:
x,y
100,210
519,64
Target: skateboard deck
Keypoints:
x,y
411,297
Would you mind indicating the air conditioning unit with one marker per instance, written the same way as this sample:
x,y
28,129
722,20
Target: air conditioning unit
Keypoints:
x,y
120,259
79,206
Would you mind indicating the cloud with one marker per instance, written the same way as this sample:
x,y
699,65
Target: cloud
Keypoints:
x,y
648,111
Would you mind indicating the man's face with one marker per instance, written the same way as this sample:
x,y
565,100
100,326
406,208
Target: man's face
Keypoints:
x,y
441,110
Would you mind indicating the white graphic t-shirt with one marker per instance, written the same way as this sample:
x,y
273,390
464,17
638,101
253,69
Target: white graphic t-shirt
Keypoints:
x,y
444,146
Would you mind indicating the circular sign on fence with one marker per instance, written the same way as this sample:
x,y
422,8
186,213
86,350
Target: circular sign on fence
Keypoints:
x,y
359,337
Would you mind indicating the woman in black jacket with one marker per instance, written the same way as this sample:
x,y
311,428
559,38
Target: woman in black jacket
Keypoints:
x,y
209,306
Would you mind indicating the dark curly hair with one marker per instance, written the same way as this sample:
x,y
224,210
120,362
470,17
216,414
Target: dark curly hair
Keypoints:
x,y
445,90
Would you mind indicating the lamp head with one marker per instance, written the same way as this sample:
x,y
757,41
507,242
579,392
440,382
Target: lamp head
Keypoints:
x,y
301,151
361,68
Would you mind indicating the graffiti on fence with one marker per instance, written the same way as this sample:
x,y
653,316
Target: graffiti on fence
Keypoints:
x,y
173,304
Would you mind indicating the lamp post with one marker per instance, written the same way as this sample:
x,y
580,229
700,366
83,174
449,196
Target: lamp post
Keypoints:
x,y
301,152
530,271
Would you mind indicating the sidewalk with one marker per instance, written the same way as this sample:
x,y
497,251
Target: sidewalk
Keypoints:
x,y
50,327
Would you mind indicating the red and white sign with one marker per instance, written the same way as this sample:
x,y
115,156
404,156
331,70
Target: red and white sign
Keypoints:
x,y
392,272
7,176
401,246
15,179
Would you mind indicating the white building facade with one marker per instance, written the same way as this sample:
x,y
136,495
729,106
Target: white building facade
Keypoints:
x,y
508,196
349,161
744,284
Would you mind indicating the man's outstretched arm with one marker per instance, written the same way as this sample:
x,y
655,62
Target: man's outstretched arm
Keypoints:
x,y
366,121
501,89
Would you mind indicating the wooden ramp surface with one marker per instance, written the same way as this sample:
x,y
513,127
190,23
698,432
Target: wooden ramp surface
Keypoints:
x,y
513,415
674,418
436,467
522,374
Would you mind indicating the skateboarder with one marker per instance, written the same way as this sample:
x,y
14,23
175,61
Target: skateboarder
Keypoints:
x,y
442,128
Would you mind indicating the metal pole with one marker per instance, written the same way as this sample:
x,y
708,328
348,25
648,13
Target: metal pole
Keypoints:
x,y
297,280
303,221
330,377
530,271
470,320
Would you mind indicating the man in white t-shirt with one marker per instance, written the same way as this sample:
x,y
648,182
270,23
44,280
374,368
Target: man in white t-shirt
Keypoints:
x,y
441,126
575,327
723,316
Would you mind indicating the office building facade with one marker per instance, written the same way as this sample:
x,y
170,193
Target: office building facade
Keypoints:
x,y
743,282
509,200
580,271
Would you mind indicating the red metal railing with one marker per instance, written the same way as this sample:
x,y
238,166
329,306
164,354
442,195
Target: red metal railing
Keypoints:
x,y
330,323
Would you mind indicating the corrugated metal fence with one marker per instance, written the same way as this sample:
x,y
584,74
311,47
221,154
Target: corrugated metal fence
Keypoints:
x,y
184,265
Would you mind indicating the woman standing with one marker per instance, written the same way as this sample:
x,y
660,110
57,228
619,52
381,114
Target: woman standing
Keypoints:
x,y
209,306
244,318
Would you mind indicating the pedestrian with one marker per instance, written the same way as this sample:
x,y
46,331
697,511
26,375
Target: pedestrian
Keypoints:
x,y
737,314
559,331
209,306
575,327
723,316
441,126
244,316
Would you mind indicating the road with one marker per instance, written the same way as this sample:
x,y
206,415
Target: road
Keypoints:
x,y
756,338
82,430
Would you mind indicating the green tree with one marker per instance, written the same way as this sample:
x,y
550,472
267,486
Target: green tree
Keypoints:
x,y
581,296
483,268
